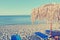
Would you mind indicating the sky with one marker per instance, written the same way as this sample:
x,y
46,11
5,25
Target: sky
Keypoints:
x,y
21,7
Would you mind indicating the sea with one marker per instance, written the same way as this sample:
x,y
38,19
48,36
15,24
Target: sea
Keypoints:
x,y
16,19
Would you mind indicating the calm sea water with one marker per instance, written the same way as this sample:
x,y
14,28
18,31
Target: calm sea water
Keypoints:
x,y
22,19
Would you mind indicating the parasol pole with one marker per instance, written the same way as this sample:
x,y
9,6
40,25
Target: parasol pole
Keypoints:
x,y
50,29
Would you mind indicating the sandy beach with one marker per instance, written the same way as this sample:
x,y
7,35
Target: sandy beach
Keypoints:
x,y
24,30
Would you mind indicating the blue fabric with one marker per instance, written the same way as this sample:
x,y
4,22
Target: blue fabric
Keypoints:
x,y
15,37
41,35
47,31
54,33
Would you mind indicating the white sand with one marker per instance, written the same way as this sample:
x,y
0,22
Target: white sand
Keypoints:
x,y
24,30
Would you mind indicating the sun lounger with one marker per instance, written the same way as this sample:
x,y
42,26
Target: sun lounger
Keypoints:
x,y
15,37
41,35
54,33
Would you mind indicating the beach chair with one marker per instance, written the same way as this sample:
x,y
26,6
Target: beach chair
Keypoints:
x,y
53,34
15,37
41,35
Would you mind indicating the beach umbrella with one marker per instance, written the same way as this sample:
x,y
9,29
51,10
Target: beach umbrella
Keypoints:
x,y
50,12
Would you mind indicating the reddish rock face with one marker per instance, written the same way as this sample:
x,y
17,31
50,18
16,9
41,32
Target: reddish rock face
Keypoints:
x,y
48,11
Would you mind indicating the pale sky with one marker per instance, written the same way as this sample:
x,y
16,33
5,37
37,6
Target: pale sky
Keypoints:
x,y
21,7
